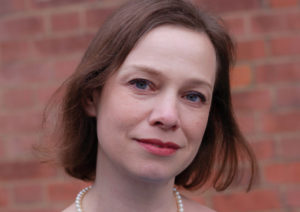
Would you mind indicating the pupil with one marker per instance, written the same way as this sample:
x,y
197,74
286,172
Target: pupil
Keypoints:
x,y
192,97
141,84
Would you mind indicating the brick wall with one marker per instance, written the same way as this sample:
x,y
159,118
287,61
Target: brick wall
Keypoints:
x,y
41,42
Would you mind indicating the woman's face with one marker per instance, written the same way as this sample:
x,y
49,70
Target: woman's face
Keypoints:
x,y
153,111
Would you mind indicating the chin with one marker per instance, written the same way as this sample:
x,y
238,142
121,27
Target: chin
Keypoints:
x,y
155,174
155,179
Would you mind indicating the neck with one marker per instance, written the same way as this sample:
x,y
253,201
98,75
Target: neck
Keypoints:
x,y
116,191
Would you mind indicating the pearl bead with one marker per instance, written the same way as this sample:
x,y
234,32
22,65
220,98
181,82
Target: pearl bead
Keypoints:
x,y
83,192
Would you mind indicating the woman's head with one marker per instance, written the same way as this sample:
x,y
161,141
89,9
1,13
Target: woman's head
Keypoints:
x,y
222,141
152,112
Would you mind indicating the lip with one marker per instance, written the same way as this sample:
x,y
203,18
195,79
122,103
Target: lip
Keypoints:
x,y
157,147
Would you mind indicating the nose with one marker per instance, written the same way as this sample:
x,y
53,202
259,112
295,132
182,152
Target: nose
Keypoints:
x,y
165,114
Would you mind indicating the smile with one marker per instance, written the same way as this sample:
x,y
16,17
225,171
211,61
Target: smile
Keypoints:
x,y
157,147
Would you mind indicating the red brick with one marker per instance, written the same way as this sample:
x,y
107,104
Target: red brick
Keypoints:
x,y
2,148
252,100
229,5
278,73
19,99
268,23
263,149
293,197
28,194
42,209
38,4
288,96
275,23
17,171
65,45
11,6
30,72
65,21
96,17
65,68
45,93
20,146
4,201
236,26
62,192
288,148
15,51
240,76
241,202
289,45
279,122
20,27
292,21
249,50
283,3
246,122
11,123
283,173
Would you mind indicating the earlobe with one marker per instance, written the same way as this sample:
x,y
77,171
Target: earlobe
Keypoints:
x,y
90,104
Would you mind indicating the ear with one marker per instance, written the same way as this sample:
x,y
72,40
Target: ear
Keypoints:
x,y
90,104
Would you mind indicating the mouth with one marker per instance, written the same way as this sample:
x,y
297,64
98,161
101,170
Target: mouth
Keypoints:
x,y
157,147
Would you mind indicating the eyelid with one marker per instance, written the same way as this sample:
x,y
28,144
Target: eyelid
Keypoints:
x,y
132,81
152,87
202,97
149,83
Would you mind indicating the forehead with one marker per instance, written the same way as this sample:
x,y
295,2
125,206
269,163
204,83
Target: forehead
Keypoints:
x,y
174,49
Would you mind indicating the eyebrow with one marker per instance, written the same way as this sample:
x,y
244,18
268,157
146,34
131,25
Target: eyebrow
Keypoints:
x,y
148,70
157,73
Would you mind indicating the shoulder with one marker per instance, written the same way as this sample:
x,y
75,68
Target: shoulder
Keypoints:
x,y
193,206
71,208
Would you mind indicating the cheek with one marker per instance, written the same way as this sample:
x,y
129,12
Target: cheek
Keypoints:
x,y
194,126
120,112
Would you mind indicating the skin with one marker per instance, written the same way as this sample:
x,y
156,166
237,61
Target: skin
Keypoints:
x,y
163,90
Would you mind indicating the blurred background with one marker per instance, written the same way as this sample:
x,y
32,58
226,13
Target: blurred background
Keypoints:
x,y
42,41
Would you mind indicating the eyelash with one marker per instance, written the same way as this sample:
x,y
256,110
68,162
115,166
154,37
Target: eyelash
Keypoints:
x,y
141,81
193,94
150,86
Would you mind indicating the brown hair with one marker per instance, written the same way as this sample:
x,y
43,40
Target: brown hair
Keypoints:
x,y
223,144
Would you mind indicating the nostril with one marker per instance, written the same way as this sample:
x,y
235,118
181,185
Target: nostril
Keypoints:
x,y
157,123
166,125
164,115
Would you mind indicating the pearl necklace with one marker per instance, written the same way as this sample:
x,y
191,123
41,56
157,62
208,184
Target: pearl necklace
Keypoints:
x,y
84,191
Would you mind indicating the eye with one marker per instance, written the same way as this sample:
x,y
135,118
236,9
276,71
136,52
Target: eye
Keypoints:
x,y
195,97
141,84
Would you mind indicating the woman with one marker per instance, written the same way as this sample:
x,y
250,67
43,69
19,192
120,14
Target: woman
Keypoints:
x,y
149,109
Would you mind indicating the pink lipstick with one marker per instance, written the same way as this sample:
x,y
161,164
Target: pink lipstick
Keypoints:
x,y
157,147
